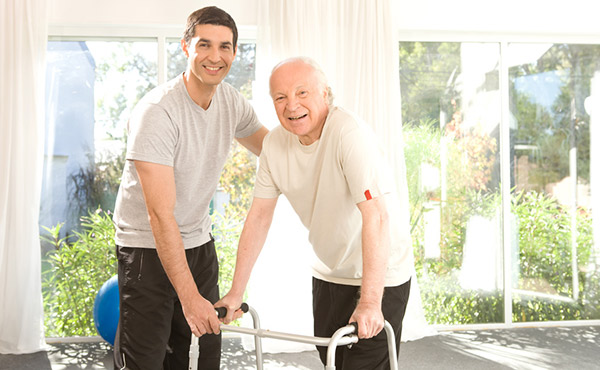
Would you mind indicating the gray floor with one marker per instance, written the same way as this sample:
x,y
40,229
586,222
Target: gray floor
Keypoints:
x,y
522,348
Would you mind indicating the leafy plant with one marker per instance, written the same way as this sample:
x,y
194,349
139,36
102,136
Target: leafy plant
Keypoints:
x,y
77,271
448,304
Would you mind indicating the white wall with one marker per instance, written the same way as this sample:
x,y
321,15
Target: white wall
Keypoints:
x,y
506,16
144,12
534,17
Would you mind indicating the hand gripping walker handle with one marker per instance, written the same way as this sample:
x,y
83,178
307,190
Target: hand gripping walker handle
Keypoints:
x,y
222,311
194,349
352,328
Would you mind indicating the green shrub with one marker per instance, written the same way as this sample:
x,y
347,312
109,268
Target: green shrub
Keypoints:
x,y
76,272
545,254
538,309
444,302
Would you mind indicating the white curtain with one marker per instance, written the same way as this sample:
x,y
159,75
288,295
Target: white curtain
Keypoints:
x,y
23,36
355,43
593,109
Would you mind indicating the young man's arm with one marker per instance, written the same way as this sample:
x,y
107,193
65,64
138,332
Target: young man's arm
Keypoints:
x,y
158,187
375,252
254,142
251,243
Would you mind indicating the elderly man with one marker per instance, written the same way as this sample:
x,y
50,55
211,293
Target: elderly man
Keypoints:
x,y
329,166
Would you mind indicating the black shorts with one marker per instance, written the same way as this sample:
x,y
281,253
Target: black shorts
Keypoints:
x,y
153,332
333,304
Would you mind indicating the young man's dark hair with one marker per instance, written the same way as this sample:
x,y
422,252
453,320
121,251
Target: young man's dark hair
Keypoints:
x,y
209,15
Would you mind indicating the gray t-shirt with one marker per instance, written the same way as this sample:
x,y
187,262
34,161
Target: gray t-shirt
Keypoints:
x,y
167,127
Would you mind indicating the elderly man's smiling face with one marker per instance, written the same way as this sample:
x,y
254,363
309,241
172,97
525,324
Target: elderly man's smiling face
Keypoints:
x,y
300,100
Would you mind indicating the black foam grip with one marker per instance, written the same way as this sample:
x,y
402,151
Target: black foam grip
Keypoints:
x,y
222,311
355,324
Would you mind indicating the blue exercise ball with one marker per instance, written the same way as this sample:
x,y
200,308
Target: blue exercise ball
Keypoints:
x,y
106,310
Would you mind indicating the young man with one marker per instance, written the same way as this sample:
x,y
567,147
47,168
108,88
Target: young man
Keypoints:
x,y
328,164
179,138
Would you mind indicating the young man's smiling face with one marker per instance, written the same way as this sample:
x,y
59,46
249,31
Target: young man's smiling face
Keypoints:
x,y
300,100
210,53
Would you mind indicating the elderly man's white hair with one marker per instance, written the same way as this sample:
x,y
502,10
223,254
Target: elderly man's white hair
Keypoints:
x,y
316,68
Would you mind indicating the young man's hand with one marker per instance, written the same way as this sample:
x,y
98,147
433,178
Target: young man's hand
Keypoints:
x,y
201,316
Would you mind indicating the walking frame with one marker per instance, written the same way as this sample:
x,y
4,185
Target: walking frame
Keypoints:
x,y
344,336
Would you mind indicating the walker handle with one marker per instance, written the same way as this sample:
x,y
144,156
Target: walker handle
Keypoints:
x,y
222,311
355,325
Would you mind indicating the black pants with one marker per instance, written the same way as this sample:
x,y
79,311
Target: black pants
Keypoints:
x,y
333,304
153,332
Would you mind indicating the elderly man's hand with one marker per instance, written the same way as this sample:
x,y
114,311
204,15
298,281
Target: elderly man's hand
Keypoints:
x,y
232,302
369,318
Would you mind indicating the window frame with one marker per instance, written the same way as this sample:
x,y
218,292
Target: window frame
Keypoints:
x,y
159,33
248,34
503,39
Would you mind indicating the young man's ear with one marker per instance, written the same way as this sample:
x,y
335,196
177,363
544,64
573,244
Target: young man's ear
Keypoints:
x,y
184,47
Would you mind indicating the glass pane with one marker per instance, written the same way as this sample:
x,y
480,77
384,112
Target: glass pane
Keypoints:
x,y
451,114
242,70
176,60
91,88
554,103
